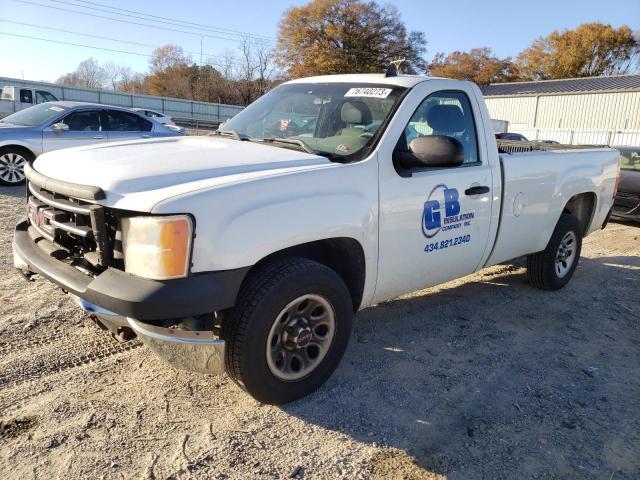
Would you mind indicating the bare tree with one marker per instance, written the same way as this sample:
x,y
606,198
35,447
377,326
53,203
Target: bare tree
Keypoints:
x,y
168,56
117,74
254,69
90,74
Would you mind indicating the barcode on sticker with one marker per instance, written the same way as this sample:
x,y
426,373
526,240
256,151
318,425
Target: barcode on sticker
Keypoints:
x,y
368,92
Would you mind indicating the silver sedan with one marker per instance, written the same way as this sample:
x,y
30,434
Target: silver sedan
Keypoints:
x,y
55,125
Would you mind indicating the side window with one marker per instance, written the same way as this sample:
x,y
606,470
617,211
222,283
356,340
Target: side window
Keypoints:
x,y
43,96
83,121
444,113
127,122
26,96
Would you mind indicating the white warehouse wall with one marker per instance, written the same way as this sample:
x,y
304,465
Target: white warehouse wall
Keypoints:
x,y
612,111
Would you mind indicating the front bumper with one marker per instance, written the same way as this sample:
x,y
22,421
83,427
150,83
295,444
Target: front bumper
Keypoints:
x,y
127,300
126,294
193,350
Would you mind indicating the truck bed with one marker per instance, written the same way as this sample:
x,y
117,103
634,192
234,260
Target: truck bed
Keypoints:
x,y
542,178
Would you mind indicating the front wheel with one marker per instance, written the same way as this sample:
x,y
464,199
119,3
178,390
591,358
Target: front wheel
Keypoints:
x,y
288,331
12,162
552,268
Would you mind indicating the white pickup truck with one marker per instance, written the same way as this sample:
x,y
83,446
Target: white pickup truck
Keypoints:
x,y
14,99
249,251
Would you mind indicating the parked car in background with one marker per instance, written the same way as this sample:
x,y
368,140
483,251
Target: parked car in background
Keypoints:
x,y
14,99
157,116
627,200
514,137
55,125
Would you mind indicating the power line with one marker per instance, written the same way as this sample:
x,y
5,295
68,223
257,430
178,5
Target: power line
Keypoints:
x,y
117,10
125,21
210,55
75,44
87,46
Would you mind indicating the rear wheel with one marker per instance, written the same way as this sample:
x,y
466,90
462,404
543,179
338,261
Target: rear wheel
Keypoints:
x,y
552,268
12,162
288,331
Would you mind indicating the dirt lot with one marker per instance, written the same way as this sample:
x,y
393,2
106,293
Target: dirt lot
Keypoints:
x,y
479,378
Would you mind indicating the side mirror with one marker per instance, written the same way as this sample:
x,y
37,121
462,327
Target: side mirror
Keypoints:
x,y
433,151
60,127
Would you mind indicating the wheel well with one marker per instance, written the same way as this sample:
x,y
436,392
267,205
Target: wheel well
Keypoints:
x,y
343,255
19,148
582,206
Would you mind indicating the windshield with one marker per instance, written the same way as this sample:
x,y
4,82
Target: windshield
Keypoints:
x,y
630,158
32,116
332,119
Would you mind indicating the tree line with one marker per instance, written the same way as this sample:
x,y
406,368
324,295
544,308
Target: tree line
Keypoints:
x,y
359,36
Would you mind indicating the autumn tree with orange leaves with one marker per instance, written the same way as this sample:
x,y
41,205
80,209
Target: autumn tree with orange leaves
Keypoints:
x,y
479,65
346,36
592,49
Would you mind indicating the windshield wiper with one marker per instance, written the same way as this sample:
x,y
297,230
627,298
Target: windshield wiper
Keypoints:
x,y
288,141
231,133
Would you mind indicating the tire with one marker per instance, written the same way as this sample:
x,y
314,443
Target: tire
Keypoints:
x,y
265,328
546,270
12,162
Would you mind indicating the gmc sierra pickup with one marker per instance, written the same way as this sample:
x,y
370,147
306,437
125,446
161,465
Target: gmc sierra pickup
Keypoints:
x,y
250,250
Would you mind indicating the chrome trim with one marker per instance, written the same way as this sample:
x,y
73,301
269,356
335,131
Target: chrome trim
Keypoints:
x,y
193,350
197,351
58,203
83,232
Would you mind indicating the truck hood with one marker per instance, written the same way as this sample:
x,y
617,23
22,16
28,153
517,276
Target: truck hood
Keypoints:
x,y
138,174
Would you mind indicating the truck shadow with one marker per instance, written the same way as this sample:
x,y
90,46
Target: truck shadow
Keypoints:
x,y
494,379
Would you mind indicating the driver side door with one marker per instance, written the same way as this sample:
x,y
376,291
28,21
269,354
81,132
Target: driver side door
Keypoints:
x,y
434,221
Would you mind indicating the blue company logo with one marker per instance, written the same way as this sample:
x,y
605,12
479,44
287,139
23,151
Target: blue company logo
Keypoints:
x,y
443,201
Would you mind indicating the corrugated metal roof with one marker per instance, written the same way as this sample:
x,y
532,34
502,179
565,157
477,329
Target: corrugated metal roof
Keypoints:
x,y
570,85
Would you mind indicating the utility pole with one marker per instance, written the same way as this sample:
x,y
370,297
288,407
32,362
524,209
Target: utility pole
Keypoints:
x,y
201,50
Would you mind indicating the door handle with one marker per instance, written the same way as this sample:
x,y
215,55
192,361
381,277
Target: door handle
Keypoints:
x,y
146,136
98,137
478,190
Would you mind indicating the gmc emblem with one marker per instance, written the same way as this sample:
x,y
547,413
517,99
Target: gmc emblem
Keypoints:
x,y
40,216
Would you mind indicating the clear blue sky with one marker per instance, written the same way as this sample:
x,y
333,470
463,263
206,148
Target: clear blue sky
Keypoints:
x,y
505,26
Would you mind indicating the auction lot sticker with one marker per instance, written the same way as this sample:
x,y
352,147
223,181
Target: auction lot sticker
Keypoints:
x,y
368,92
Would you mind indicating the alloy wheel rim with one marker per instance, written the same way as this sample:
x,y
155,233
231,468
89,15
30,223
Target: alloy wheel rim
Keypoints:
x,y
12,167
566,254
300,337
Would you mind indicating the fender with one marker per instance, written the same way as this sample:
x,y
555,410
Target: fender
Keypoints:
x,y
242,223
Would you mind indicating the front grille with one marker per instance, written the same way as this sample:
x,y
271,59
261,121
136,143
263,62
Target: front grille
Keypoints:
x,y
75,230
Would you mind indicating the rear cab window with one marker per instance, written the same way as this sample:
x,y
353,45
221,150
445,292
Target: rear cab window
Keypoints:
x,y
26,96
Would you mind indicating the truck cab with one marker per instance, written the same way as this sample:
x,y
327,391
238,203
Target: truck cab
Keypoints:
x,y
14,99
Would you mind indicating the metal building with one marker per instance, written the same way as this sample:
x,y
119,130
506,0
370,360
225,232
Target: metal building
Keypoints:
x,y
595,110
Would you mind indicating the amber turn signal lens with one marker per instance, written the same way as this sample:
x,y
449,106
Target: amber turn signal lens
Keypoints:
x,y
157,247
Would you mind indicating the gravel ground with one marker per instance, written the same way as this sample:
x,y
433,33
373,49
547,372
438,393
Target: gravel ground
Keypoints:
x,y
483,377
